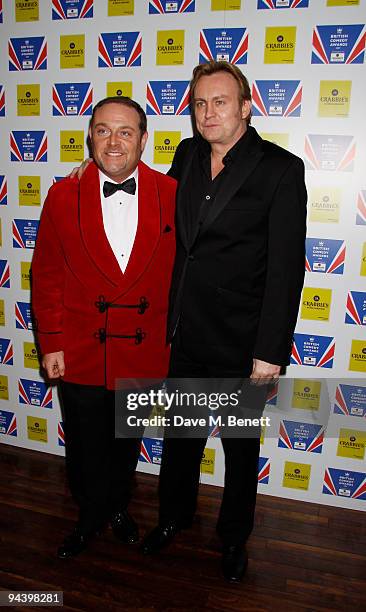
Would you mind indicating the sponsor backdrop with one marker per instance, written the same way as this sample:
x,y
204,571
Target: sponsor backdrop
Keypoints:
x,y
305,62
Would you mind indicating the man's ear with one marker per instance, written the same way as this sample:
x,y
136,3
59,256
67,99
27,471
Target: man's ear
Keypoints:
x,y
245,109
144,138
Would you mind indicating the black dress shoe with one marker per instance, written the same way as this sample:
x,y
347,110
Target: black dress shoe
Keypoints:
x,y
74,544
124,527
159,537
234,563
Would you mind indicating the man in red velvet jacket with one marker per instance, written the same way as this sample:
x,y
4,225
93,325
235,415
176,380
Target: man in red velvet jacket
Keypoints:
x,y
101,274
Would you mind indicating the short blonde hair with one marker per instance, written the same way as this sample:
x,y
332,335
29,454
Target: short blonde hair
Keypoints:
x,y
213,67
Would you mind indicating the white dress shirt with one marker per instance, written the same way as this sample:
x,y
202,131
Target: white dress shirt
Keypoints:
x,y
120,219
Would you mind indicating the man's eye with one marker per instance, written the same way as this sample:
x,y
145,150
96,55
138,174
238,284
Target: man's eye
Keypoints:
x,y
219,102
101,132
199,104
125,134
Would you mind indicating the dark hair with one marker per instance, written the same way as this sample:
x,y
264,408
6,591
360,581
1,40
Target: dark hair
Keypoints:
x,y
214,67
125,101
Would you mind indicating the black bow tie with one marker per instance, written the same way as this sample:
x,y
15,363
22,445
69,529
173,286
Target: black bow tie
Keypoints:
x,y
128,186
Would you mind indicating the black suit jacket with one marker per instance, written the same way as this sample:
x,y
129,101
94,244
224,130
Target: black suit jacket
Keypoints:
x,y
237,282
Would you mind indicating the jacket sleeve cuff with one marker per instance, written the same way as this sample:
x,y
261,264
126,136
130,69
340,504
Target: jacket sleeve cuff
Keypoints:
x,y
50,342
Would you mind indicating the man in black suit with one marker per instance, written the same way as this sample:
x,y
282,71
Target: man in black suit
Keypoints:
x,y
237,280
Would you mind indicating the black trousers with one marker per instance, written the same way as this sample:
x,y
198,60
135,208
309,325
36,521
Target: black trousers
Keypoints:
x,y
100,467
181,459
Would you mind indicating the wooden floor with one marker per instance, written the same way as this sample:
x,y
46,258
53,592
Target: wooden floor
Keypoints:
x,y
302,556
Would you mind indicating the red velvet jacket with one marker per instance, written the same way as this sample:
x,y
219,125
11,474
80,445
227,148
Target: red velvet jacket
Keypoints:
x,y
82,302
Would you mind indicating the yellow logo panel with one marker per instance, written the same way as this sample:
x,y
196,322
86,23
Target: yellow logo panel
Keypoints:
x,y
280,45
170,48
280,139
306,394
72,51
71,146
30,356
334,98
225,5
4,388
357,360
296,475
316,303
325,204
120,7
29,190
28,100
165,144
26,11
123,88
37,429
363,260
351,443
25,275
2,313
208,461
342,2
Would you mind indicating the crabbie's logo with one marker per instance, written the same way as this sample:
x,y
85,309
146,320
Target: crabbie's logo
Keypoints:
x,y
120,8
280,45
119,88
30,355
306,394
72,9
29,190
26,10
165,145
229,45
357,358
334,98
325,203
25,275
71,146
170,47
4,387
351,443
208,461
315,304
72,51
37,429
296,475
225,5
28,100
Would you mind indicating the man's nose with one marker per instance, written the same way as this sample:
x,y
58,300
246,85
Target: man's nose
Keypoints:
x,y
113,137
209,109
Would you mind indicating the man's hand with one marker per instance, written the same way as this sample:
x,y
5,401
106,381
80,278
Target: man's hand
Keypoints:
x,y
264,373
79,171
54,364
